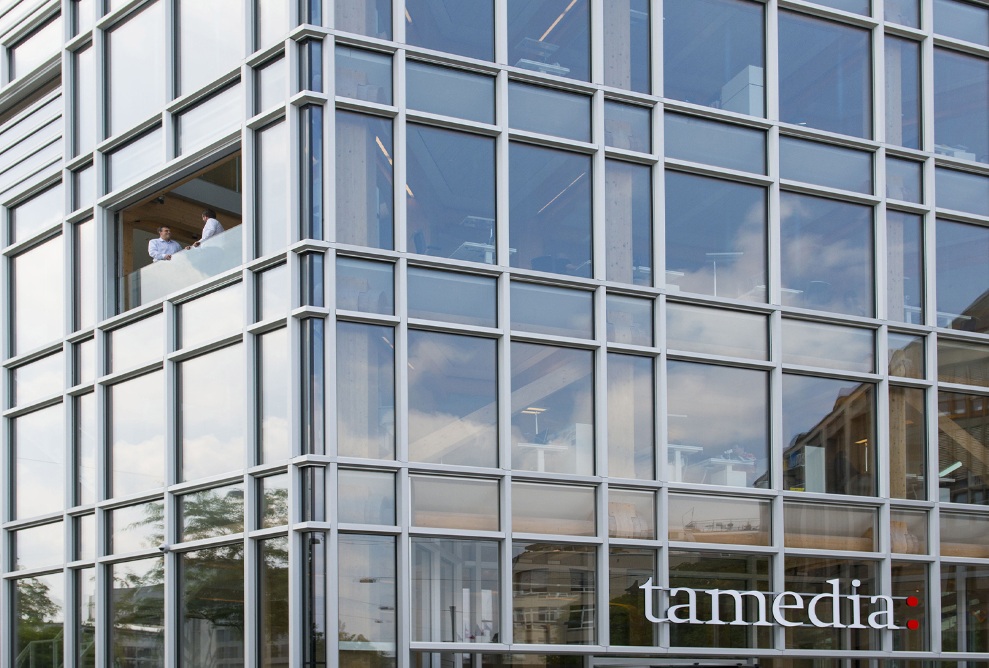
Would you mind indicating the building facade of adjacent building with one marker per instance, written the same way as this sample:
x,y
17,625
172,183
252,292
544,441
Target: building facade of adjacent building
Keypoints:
x,y
537,333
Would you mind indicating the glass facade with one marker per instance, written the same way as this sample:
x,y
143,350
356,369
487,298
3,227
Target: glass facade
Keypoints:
x,y
449,333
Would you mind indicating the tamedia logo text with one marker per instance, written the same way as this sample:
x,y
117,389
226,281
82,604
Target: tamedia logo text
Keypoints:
x,y
772,608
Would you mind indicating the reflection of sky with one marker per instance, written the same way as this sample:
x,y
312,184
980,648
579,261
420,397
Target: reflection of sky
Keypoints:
x,y
38,299
212,413
630,416
39,379
366,390
367,587
39,472
138,412
39,546
820,344
275,442
138,342
716,331
212,316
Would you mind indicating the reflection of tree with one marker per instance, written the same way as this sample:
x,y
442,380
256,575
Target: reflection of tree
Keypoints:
x,y
39,628
274,507
274,602
137,605
360,658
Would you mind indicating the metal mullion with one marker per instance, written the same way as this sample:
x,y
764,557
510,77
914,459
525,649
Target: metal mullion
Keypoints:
x,y
400,153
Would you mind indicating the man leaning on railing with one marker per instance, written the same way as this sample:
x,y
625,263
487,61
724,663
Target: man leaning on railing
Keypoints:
x,y
164,247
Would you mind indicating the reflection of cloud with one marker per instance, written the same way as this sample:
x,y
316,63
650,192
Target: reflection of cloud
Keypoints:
x,y
433,435
819,344
213,413
138,466
39,444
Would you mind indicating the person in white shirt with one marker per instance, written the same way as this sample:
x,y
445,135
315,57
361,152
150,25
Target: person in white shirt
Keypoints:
x,y
211,227
164,247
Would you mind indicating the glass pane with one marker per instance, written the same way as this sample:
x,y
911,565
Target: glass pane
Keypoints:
x,y
721,571
962,275
904,12
558,579
903,99
631,418
39,546
550,210
454,26
137,600
36,625
367,599
39,462
211,513
453,399
137,435
364,17
631,514
965,363
211,586
963,589
36,278
961,191
211,316
908,531
135,159
714,54
366,497
962,20
84,187
273,293
212,413
135,528
271,213
629,320
713,143
135,58
137,343
833,346
856,6
86,618
716,331
626,46
445,295
32,51
829,432
556,509
210,40
552,386
627,126
84,367
905,266
827,256
556,311
271,24
450,194
718,429
85,449
548,111
476,508
825,527
85,538
961,112
907,443
367,286
628,222
717,519
963,438
216,116
449,92
825,165
964,535
364,180
275,375
911,598
825,75
365,391
271,81
273,620
36,214
364,75
37,380
810,577
715,236
906,355
86,280
455,590
627,568
550,36
274,501
905,180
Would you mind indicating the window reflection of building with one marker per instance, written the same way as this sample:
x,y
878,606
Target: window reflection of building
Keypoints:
x,y
553,593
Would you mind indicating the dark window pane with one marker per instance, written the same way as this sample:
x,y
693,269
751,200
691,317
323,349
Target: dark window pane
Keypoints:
x,y
713,143
550,36
905,267
713,54
212,604
364,180
962,20
453,297
825,75
449,92
825,165
463,27
631,417
961,105
903,102
137,601
628,222
828,436
38,618
364,17
962,276
548,111
626,45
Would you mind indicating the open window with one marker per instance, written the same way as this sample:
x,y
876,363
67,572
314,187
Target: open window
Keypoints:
x,y
150,266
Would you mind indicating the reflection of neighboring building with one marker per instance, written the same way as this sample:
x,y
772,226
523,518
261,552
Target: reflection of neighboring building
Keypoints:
x,y
553,595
